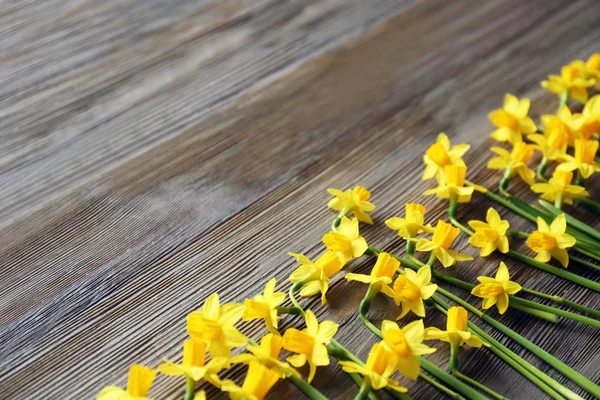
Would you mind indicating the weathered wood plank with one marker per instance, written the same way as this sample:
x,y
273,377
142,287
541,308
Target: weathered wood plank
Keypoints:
x,y
103,276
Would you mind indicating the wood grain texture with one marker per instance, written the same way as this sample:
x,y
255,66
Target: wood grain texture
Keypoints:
x,y
156,151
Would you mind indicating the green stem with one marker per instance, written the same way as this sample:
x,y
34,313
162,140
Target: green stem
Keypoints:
x,y
336,222
588,203
292,293
543,381
579,179
289,310
563,368
454,348
365,389
190,388
564,98
561,300
306,388
541,170
451,394
410,247
584,262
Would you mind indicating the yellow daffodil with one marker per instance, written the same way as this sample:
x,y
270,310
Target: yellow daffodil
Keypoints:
x,y
346,242
355,200
552,144
496,290
194,364
440,243
490,235
559,188
512,120
591,117
551,241
515,161
583,159
138,385
408,228
410,289
565,124
310,343
267,353
452,185
381,364
264,306
573,79
259,380
214,325
456,330
593,67
381,274
440,154
407,345
316,275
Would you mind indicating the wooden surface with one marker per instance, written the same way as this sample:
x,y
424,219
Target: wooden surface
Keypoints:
x,y
153,152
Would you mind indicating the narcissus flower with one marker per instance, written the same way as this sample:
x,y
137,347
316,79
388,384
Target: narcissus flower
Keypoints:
x,y
456,330
574,79
440,243
138,385
346,242
515,161
408,228
259,380
490,235
552,144
583,159
194,364
551,241
310,343
380,365
407,345
496,290
316,275
440,154
410,289
381,274
591,117
214,325
267,353
264,306
453,185
559,188
512,120
565,123
355,200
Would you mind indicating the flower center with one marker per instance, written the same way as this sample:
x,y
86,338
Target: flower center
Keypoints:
x,y
405,289
397,342
504,119
337,242
487,235
539,241
522,152
438,154
211,329
489,290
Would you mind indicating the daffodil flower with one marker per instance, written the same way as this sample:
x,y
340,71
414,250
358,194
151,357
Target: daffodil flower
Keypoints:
x,y
515,161
407,345
593,67
381,364
264,306
214,325
512,121
194,364
559,189
346,242
490,235
315,275
267,353
355,200
381,274
259,380
591,117
310,343
551,241
495,291
453,185
583,158
456,330
138,385
440,154
574,79
440,243
410,289
565,124
408,228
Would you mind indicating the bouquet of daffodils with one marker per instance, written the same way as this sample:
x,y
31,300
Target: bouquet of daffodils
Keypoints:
x,y
568,145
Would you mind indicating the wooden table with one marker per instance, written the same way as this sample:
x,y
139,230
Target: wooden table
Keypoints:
x,y
154,152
